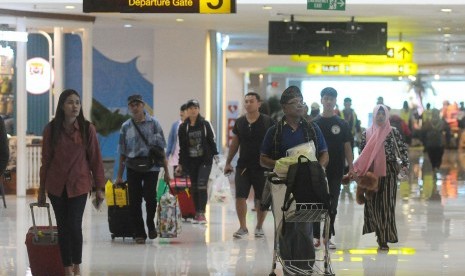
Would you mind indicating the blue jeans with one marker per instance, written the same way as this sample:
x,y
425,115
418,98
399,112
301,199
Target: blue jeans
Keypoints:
x,y
68,214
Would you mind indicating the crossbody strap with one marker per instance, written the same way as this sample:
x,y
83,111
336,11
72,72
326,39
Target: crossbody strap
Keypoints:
x,y
140,133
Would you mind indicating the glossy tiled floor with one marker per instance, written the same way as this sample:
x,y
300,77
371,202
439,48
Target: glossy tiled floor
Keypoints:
x,y
430,222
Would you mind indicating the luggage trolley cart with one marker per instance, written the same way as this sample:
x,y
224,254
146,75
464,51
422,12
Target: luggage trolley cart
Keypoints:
x,y
298,213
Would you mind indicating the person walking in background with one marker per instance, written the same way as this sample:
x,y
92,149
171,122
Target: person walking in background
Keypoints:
x,y
197,147
4,149
427,114
172,150
314,111
248,133
380,145
141,184
338,138
71,166
433,136
349,115
406,115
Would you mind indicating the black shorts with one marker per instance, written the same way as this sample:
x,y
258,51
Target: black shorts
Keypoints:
x,y
246,178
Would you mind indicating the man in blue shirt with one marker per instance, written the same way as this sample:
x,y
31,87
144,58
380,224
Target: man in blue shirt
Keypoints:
x,y
293,127
290,131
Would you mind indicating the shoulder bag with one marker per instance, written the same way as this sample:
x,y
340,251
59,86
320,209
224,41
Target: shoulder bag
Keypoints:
x,y
156,156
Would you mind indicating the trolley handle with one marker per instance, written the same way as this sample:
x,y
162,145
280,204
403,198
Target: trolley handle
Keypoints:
x,y
34,225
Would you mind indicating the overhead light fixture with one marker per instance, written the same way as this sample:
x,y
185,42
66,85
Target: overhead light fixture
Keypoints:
x,y
70,7
437,77
446,10
267,7
127,25
13,36
446,35
179,20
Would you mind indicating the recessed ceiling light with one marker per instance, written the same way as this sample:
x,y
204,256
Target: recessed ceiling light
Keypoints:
x,y
267,7
179,20
446,10
70,7
127,25
446,35
437,77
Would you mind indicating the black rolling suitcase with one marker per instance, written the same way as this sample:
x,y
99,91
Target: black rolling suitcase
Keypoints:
x,y
119,217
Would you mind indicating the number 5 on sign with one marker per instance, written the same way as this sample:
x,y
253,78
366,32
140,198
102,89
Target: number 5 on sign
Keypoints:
x,y
217,6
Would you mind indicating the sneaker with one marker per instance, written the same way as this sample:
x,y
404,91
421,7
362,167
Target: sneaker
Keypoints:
x,y
195,220
331,245
241,233
259,233
201,219
316,242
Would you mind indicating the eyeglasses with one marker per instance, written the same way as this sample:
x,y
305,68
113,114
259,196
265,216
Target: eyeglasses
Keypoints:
x,y
297,103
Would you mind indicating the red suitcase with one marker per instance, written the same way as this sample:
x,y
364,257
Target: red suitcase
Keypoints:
x,y
42,247
180,182
181,188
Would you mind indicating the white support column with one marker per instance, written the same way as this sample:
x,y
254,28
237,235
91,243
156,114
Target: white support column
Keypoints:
x,y
58,65
87,67
21,113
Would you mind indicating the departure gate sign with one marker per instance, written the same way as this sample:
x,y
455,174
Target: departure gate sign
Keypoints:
x,y
161,6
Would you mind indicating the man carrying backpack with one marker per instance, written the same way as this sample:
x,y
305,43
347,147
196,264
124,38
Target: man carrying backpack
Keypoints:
x,y
290,131
339,138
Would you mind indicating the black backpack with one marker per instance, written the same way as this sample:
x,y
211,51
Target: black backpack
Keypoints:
x,y
306,181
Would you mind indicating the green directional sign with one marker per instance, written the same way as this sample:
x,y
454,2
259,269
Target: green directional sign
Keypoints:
x,y
336,5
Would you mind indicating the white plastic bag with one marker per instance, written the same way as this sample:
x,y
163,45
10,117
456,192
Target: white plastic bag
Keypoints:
x,y
306,149
220,190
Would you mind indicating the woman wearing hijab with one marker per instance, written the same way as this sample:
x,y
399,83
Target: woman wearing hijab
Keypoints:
x,y
380,146
433,138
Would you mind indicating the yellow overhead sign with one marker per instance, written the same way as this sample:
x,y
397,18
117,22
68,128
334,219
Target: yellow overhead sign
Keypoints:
x,y
397,52
362,69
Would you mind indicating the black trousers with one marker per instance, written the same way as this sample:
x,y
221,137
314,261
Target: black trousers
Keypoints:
x,y
198,174
142,185
435,156
334,183
68,214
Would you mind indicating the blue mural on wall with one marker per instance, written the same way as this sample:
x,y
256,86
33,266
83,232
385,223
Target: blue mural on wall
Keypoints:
x,y
113,82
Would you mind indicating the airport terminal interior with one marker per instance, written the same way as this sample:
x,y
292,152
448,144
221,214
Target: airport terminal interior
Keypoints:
x,y
108,53
429,215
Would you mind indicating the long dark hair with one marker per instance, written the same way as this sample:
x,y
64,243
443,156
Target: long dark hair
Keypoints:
x,y
57,122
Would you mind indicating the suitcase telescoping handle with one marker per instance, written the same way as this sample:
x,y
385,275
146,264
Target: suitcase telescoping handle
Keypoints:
x,y
34,225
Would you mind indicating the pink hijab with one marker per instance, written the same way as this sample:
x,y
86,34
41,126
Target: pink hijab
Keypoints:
x,y
373,152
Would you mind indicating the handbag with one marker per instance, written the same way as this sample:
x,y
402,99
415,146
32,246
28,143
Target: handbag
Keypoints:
x,y
145,163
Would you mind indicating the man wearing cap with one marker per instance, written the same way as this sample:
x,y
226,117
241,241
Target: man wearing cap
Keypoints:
x,y
197,147
338,137
290,131
141,184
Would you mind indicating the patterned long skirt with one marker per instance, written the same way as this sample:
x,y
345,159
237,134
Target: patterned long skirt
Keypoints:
x,y
379,212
